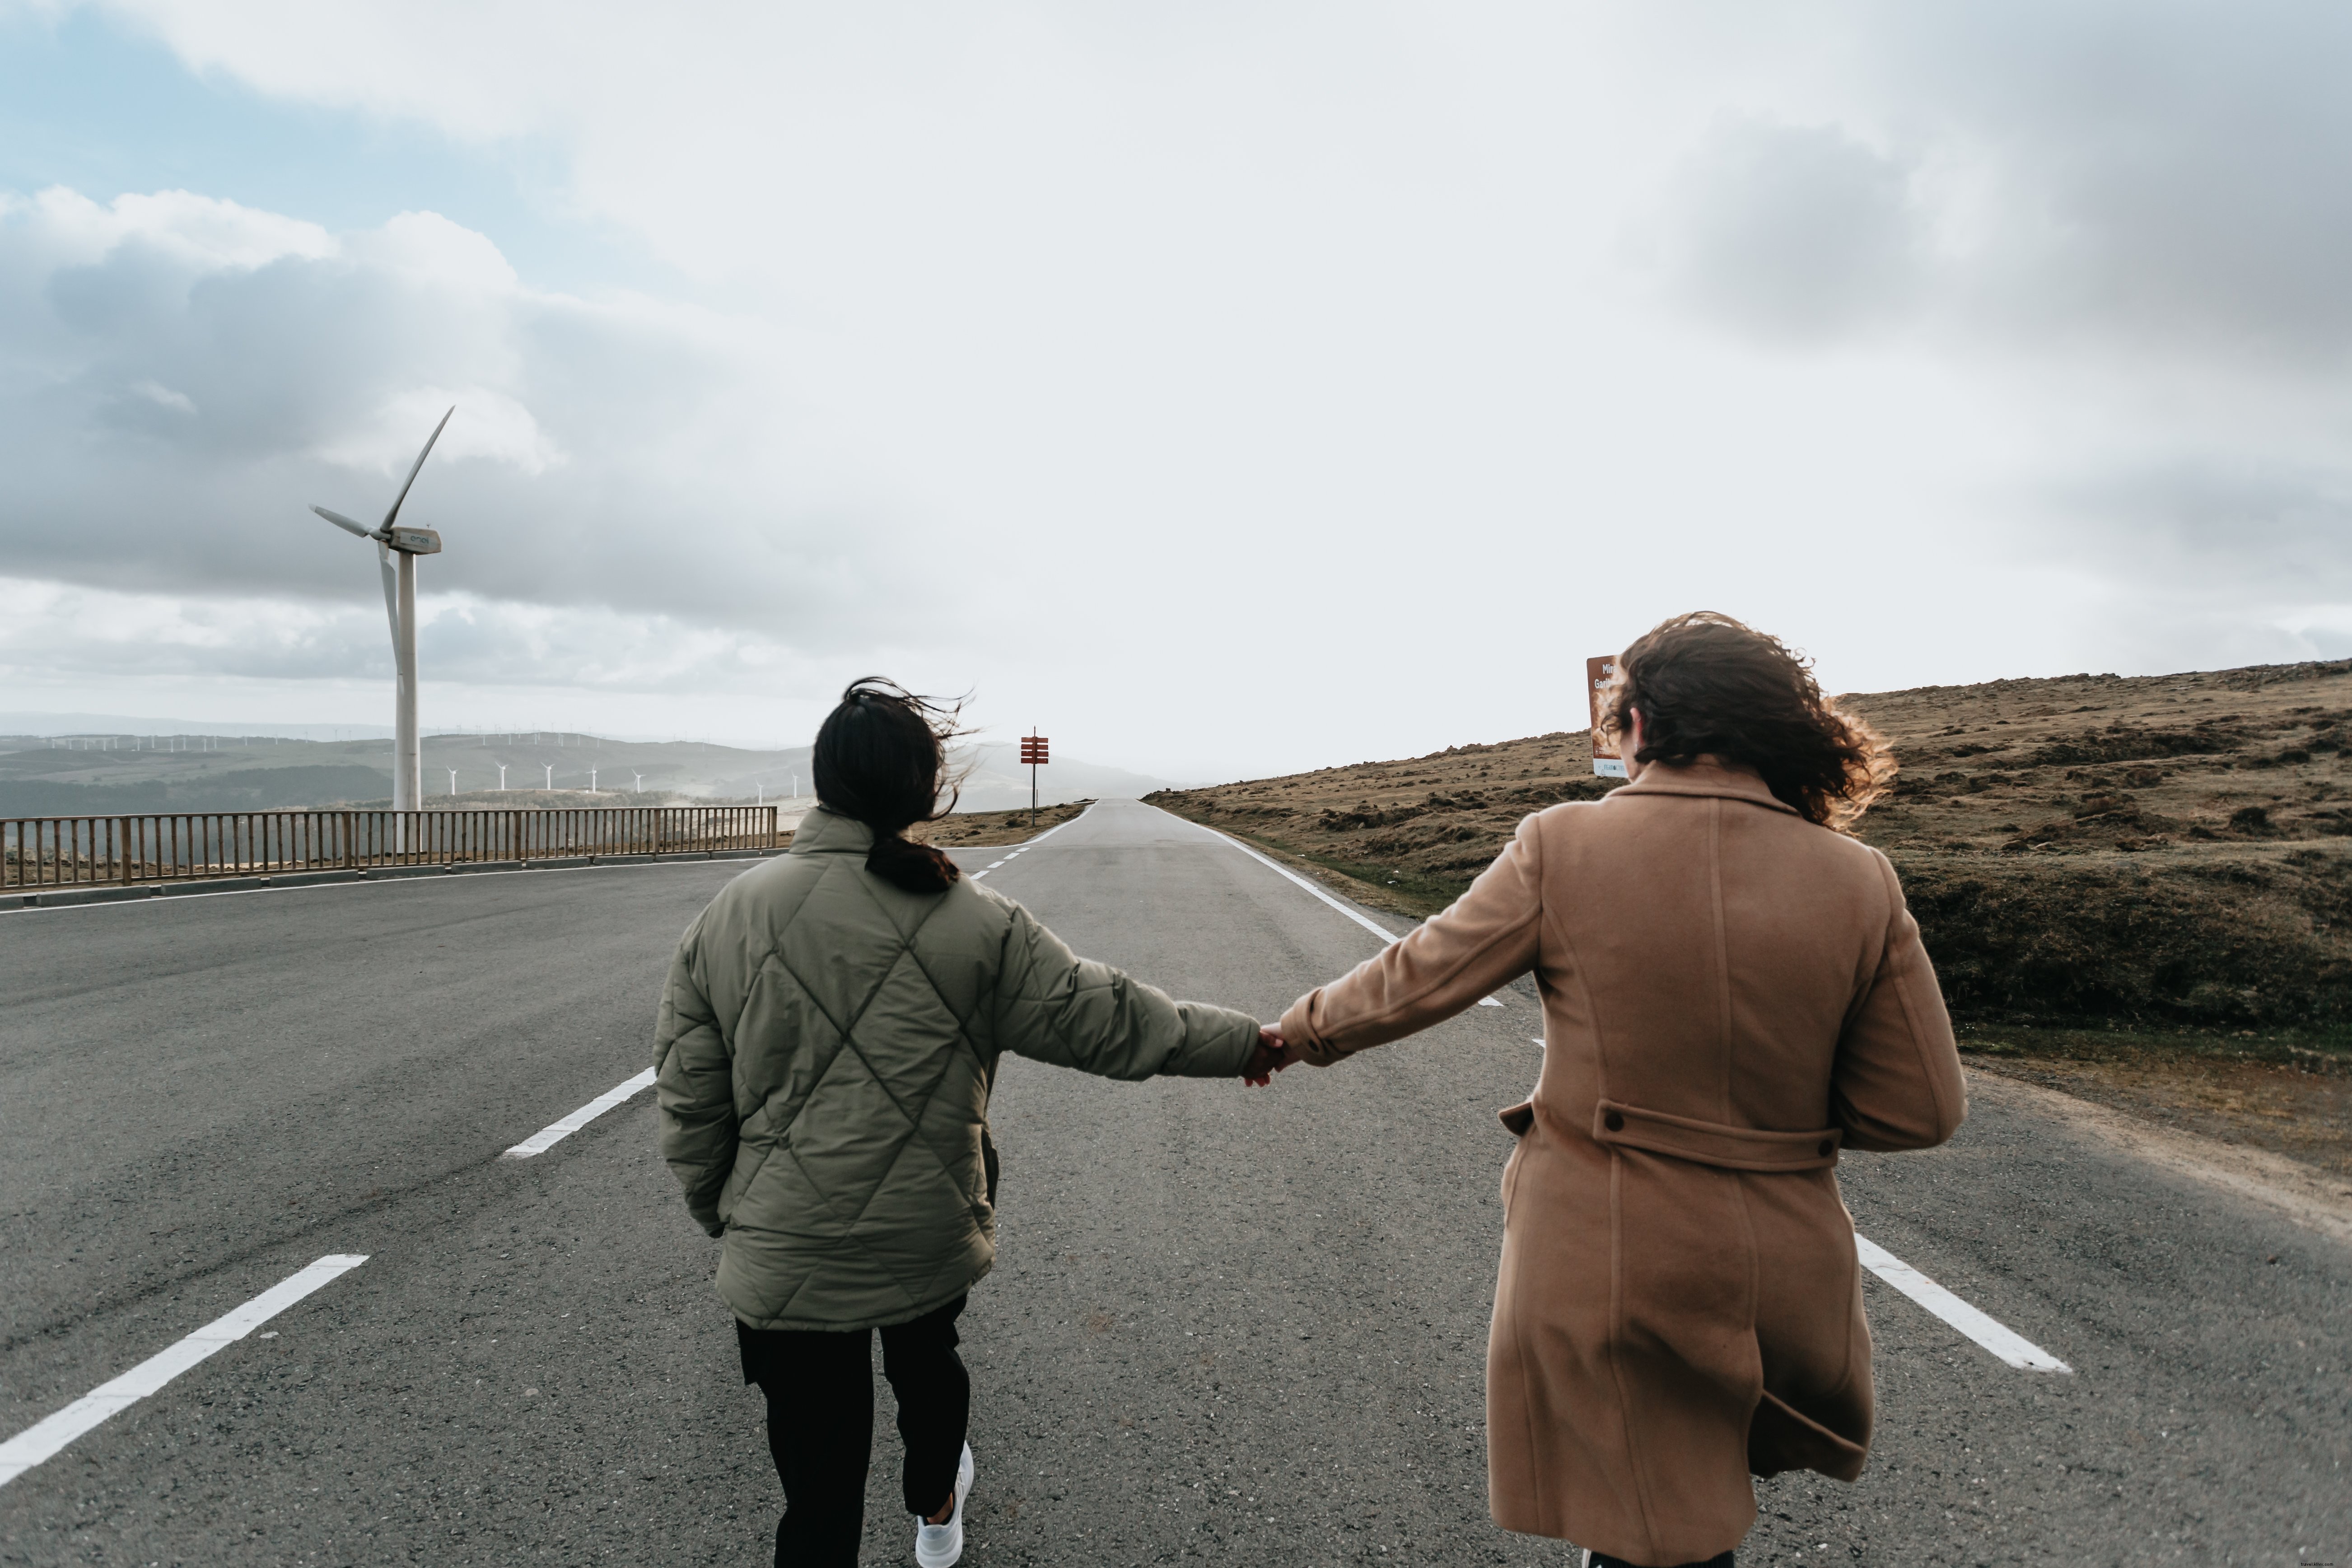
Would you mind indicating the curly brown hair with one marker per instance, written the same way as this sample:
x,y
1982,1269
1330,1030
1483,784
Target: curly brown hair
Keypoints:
x,y
1708,686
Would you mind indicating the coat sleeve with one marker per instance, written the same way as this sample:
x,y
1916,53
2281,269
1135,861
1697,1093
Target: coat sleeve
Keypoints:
x,y
1485,939
694,1085
1054,1006
1896,1084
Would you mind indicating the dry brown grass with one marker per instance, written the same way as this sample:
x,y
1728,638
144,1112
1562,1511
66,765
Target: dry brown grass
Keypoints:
x,y
2244,1088
983,829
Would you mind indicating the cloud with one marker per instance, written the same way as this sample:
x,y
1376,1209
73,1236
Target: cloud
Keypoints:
x,y
1794,233
2134,183
164,397
181,377
60,633
65,228
2235,531
2175,175
496,426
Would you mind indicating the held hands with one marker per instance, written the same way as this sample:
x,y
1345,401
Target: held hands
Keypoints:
x,y
1269,1057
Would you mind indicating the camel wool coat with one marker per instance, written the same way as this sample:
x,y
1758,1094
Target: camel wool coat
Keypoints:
x,y
1732,996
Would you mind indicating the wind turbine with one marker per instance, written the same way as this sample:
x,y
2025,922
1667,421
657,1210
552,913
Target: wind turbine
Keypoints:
x,y
400,609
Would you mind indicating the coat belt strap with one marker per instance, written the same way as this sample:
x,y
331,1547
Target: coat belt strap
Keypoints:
x,y
1714,1142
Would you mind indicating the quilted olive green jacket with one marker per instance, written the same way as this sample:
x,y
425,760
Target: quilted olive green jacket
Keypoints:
x,y
823,1064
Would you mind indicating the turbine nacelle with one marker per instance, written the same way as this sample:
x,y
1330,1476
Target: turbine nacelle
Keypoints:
x,y
408,541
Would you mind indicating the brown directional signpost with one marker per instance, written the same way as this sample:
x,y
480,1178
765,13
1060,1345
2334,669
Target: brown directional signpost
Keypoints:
x,y
1033,752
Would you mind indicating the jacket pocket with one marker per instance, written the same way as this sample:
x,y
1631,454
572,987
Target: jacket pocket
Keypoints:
x,y
1518,1117
749,1157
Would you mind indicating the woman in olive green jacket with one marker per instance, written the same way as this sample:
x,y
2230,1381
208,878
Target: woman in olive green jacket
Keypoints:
x,y
827,1041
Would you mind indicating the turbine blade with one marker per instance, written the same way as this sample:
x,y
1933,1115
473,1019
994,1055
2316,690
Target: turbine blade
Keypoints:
x,y
419,464
340,520
391,592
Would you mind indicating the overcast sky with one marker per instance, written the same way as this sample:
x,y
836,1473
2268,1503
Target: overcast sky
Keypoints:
x,y
1225,388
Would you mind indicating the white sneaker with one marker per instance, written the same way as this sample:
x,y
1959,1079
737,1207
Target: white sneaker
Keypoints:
x,y
940,1545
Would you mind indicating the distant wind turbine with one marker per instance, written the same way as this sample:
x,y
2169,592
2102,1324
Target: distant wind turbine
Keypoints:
x,y
400,608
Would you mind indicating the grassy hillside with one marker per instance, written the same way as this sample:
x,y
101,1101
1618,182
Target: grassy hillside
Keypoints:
x,y
2163,849
225,789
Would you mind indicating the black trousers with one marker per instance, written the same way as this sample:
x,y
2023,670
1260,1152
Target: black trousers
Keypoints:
x,y
820,1389
1602,1560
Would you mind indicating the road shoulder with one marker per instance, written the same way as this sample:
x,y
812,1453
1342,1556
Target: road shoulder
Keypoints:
x,y
2311,1198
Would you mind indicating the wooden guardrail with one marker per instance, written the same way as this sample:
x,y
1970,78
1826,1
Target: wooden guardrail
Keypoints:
x,y
178,847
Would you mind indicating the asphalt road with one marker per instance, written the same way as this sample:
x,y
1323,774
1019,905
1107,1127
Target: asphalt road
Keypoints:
x,y
1239,1326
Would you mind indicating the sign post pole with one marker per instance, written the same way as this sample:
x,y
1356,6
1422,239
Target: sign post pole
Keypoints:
x,y
1034,752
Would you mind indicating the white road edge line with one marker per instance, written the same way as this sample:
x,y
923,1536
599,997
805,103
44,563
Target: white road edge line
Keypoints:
x,y
555,1132
1378,929
1381,931
2013,1348
45,1438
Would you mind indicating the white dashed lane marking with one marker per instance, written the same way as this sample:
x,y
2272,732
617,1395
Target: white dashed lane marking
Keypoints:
x,y
2011,1347
1024,849
45,1438
555,1132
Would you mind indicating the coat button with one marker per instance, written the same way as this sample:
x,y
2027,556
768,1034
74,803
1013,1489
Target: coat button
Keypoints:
x,y
1614,1122
1828,1147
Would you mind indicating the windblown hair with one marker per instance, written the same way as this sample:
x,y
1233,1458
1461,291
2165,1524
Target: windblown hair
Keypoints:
x,y
1709,687
881,757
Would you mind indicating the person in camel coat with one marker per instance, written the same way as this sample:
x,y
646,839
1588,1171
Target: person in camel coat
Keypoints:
x,y
1734,997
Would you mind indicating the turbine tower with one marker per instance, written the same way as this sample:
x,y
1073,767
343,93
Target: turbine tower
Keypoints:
x,y
400,608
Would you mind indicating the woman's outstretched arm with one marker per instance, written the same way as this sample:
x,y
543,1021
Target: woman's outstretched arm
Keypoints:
x,y
1485,939
1057,1007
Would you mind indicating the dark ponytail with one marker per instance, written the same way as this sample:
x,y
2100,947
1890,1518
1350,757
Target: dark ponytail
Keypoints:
x,y
879,758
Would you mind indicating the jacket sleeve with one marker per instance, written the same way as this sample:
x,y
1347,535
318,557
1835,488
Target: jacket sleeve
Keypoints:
x,y
1896,1084
1054,1006
694,1086
1485,939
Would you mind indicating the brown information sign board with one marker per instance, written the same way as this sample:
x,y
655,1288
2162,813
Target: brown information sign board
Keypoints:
x,y
1601,681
